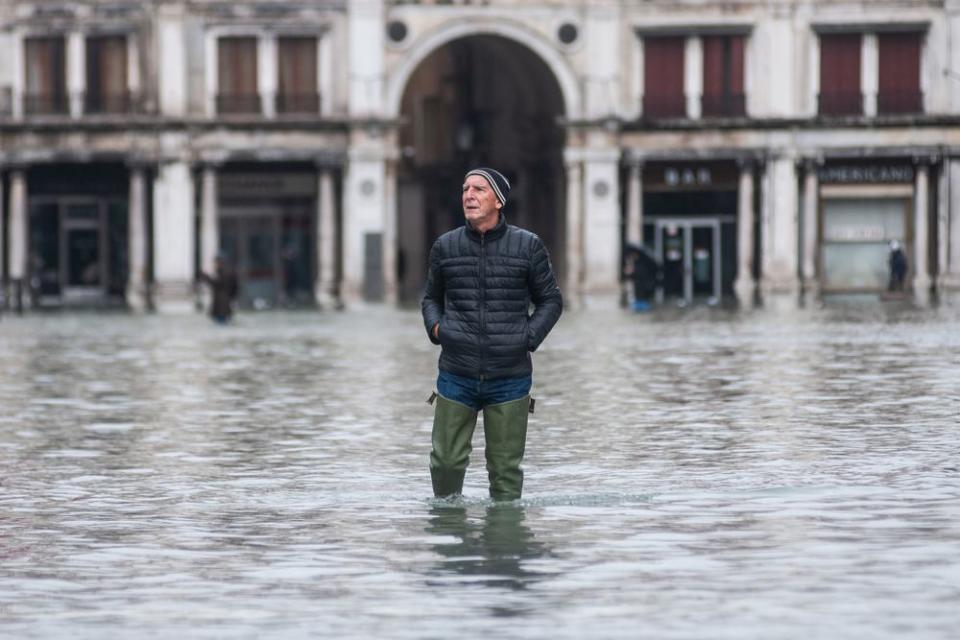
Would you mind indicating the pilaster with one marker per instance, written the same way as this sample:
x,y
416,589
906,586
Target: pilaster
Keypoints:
x,y
779,227
174,238
745,285
573,164
136,293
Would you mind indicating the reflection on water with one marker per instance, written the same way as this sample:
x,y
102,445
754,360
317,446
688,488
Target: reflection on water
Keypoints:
x,y
689,474
491,552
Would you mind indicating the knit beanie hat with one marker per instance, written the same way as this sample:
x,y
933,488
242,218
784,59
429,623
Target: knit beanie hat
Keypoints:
x,y
501,186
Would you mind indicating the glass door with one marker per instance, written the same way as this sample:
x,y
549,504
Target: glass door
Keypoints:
x,y
689,251
705,260
672,253
250,240
82,250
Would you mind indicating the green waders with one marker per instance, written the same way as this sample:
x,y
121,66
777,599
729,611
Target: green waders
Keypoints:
x,y
505,429
453,425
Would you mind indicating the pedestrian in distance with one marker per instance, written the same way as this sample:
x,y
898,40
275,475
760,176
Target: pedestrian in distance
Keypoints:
x,y
223,288
897,261
643,270
483,279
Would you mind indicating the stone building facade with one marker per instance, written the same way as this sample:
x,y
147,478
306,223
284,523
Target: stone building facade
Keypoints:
x,y
755,148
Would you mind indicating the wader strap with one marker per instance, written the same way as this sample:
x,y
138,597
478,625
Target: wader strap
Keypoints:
x,y
433,396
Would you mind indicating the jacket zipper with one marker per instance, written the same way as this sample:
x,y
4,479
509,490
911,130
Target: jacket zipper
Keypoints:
x,y
483,305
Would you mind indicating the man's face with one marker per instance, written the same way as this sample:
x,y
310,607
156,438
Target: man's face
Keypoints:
x,y
480,205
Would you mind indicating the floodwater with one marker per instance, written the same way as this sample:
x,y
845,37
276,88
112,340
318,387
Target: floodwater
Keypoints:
x,y
702,473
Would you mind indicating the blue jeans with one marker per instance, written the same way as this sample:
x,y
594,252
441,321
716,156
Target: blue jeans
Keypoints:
x,y
477,394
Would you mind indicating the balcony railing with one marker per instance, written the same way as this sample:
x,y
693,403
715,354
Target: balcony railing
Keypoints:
x,y
889,102
730,105
96,103
239,104
840,103
655,106
45,104
298,103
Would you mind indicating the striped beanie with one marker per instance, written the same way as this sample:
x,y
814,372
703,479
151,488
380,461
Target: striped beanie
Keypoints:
x,y
501,186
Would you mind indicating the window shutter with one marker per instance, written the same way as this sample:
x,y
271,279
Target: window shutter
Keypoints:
x,y
899,64
663,76
840,74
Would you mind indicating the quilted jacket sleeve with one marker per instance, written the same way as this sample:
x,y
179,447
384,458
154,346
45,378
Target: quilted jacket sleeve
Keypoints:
x,y
545,295
431,305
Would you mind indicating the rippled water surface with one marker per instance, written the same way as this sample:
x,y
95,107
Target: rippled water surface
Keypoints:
x,y
696,474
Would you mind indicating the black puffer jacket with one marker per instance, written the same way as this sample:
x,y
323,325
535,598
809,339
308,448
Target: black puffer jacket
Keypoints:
x,y
479,288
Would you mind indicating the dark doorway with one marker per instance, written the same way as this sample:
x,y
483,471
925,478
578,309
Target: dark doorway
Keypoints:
x,y
478,101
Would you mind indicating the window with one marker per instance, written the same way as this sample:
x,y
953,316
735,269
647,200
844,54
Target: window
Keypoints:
x,y
297,75
899,63
663,95
723,76
840,74
45,91
107,75
237,75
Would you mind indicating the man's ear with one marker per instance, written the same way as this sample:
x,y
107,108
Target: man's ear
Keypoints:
x,y
499,205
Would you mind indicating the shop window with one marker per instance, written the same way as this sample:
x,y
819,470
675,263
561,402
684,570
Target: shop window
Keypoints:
x,y
856,237
237,74
899,62
663,95
723,76
297,75
107,75
840,74
45,91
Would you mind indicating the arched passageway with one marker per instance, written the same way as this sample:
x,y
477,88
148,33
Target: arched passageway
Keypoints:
x,y
480,100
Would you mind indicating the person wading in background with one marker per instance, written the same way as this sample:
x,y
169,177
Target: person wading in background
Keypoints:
x,y
223,287
483,278
897,261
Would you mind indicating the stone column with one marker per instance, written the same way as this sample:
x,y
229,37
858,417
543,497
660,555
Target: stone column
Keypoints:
x,y
921,233
3,246
174,238
869,73
779,228
136,294
134,85
171,65
601,225
364,207
325,289
574,226
17,76
267,73
943,222
745,286
390,233
811,230
950,276
693,76
209,219
76,72
635,204
18,237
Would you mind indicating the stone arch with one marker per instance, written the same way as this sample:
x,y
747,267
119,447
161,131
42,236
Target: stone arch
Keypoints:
x,y
469,95
447,33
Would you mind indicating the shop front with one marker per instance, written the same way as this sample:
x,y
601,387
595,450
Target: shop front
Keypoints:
x,y
77,235
689,223
865,210
267,230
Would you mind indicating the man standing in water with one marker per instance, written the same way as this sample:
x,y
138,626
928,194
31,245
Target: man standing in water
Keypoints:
x,y
482,279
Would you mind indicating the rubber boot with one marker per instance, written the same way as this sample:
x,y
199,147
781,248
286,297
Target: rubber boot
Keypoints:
x,y
505,428
453,425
